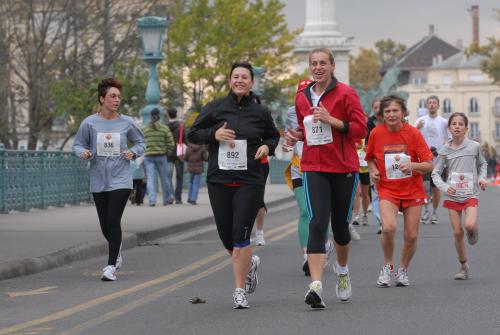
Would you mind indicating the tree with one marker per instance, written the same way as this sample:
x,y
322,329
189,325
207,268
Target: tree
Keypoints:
x,y
364,69
388,50
60,47
204,39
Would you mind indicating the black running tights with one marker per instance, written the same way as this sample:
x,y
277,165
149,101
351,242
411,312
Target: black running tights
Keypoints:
x,y
110,206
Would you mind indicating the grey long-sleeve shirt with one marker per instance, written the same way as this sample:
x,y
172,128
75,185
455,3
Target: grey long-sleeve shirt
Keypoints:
x,y
107,139
466,164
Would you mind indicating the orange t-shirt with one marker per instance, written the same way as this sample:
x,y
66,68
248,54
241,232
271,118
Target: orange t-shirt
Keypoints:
x,y
384,144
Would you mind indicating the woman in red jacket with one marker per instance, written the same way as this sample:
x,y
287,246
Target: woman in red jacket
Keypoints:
x,y
330,119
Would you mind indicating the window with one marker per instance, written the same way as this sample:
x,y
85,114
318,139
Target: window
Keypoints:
x,y
497,130
422,103
446,106
496,107
476,77
474,130
446,80
473,105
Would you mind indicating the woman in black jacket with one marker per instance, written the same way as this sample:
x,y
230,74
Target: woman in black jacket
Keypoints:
x,y
238,131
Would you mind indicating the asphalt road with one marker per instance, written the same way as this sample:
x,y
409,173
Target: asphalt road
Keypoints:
x,y
157,281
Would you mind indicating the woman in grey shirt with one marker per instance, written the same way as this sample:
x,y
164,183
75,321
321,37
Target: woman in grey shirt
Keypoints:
x,y
103,140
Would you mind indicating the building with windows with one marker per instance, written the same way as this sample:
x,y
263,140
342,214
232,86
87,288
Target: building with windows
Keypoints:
x,y
462,87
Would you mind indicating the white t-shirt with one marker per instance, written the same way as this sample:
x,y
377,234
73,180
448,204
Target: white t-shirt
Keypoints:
x,y
434,131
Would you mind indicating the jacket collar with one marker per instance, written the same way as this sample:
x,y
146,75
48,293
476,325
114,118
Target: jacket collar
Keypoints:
x,y
244,100
331,87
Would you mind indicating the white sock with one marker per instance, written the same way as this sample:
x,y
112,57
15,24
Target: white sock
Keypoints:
x,y
342,270
260,232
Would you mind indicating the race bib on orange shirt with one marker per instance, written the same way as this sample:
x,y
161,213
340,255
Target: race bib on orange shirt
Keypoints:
x,y
394,156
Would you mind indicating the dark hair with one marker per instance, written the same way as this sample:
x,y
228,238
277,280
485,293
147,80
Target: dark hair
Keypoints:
x,y
386,101
105,85
432,97
462,115
155,116
172,112
245,65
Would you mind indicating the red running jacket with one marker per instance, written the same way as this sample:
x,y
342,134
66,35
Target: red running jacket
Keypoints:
x,y
339,156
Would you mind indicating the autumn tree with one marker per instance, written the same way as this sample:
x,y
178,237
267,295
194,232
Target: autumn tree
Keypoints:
x,y
388,50
206,37
364,69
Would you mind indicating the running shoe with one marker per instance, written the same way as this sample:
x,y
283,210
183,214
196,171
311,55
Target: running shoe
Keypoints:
x,y
109,273
240,300
473,237
343,287
355,221
379,231
354,234
425,219
402,278
252,279
434,218
259,238
364,220
329,251
463,274
384,279
313,295
370,208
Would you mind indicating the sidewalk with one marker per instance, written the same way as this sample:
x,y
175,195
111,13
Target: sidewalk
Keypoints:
x,y
44,239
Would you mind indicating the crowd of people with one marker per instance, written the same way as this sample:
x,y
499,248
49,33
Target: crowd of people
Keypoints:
x,y
344,164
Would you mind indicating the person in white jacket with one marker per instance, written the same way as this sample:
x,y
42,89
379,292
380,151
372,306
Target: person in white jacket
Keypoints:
x,y
466,174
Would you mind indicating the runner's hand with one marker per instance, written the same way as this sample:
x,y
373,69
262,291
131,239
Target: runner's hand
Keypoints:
x,y
451,191
262,151
375,176
483,184
86,154
128,155
292,137
321,114
224,134
406,168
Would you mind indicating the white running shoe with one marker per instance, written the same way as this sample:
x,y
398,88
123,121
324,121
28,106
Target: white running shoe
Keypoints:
x,y
109,273
384,279
463,274
313,295
364,220
240,300
252,279
434,218
473,237
354,234
402,278
343,287
355,220
370,208
259,238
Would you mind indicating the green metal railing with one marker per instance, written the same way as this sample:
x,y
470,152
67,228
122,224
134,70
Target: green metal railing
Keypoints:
x,y
38,179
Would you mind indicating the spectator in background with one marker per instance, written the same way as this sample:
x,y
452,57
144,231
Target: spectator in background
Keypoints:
x,y
138,175
159,141
195,156
175,160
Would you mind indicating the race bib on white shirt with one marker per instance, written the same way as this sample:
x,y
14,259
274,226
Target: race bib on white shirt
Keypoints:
x,y
108,144
393,163
362,155
463,183
233,155
317,133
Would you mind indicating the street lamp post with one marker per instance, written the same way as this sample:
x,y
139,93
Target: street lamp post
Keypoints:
x,y
152,30
258,72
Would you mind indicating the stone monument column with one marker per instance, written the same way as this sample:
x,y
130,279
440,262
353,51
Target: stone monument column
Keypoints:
x,y
320,31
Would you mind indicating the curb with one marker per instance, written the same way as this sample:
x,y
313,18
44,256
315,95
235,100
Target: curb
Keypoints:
x,y
32,265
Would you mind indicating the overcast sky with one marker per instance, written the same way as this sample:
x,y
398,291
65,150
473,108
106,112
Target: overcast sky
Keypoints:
x,y
405,21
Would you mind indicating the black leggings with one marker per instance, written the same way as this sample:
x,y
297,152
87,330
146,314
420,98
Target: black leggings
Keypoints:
x,y
329,196
235,209
110,206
